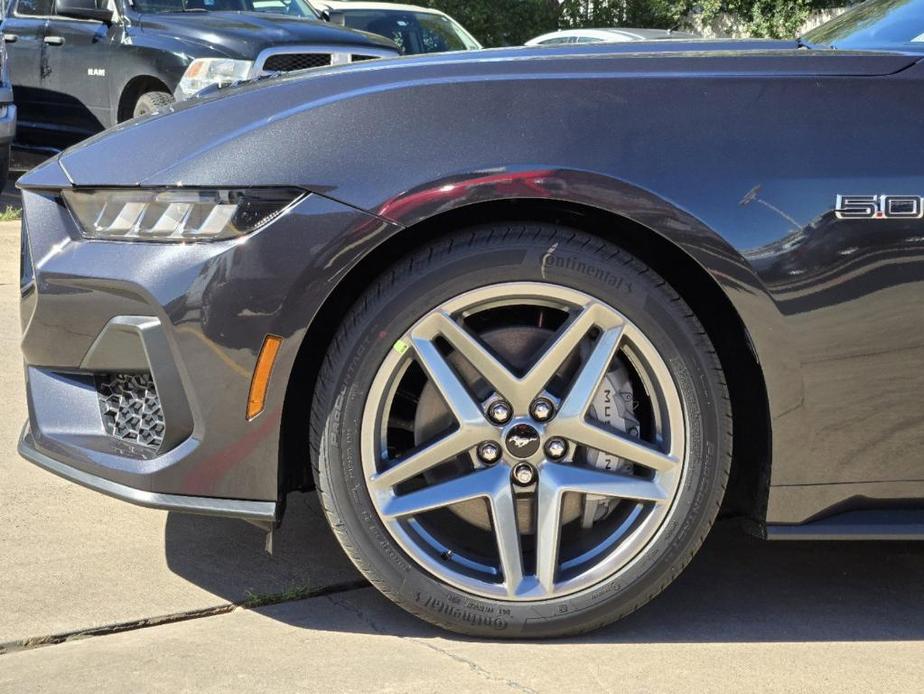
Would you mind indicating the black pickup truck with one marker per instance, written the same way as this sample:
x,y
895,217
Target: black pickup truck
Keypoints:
x,y
79,66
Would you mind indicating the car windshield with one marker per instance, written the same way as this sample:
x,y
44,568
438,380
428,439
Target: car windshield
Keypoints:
x,y
414,32
292,8
874,25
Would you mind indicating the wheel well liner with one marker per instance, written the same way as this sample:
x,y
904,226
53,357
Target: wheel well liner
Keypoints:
x,y
749,483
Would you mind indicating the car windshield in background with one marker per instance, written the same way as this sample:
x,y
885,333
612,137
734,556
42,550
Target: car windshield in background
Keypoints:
x,y
292,8
414,32
874,25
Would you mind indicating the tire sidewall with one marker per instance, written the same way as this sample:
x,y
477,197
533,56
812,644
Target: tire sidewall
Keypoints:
x,y
596,269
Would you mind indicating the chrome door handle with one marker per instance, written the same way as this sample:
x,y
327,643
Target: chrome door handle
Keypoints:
x,y
10,38
54,40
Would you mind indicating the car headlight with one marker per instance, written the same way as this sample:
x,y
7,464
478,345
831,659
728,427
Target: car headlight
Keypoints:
x,y
176,214
204,72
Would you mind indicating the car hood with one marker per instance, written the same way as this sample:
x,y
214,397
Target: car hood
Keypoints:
x,y
245,34
325,117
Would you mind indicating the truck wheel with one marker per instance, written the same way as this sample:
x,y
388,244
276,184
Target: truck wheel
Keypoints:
x,y
150,102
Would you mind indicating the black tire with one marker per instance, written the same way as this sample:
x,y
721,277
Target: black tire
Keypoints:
x,y
4,164
150,102
445,269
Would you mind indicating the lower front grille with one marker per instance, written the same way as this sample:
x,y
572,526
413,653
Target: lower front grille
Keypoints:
x,y
130,408
286,62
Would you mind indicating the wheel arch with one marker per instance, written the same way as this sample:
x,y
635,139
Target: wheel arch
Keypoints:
x,y
749,484
133,89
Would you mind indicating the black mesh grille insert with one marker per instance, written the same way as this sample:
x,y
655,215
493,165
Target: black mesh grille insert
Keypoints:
x,y
357,58
285,62
130,408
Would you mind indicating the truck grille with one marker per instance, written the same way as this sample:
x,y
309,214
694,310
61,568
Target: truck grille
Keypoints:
x,y
130,408
286,62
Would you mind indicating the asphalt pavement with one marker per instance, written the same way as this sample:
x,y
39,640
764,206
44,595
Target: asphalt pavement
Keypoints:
x,y
97,594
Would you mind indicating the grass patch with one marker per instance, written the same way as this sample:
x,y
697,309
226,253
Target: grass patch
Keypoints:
x,y
11,214
263,599
299,592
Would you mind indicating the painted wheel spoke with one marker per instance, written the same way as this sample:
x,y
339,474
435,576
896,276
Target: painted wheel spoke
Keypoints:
x,y
492,370
507,532
472,486
425,458
454,392
548,531
554,357
620,445
591,375
587,480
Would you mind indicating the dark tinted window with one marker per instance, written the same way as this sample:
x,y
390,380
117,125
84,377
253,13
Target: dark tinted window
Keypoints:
x,y
37,8
414,32
876,24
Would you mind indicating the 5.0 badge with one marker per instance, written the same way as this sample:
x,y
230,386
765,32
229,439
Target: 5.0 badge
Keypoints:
x,y
879,207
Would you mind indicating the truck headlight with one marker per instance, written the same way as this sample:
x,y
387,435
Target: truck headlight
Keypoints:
x,y
204,72
177,214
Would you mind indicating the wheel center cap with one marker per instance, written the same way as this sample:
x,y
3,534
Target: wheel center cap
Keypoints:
x,y
522,441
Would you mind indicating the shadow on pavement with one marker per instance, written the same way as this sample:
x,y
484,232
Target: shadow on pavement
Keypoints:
x,y
737,589
226,556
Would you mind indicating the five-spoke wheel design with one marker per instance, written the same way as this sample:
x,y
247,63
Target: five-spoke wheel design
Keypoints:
x,y
523,441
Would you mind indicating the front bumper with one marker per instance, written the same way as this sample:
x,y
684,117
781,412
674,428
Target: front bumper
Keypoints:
x,y
255,511
189,317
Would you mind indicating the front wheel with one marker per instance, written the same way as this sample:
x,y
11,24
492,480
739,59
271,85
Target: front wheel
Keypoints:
x,y
151,102
521,432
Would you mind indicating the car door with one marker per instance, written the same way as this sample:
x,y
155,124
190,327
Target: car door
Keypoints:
x,y
23,33
78,52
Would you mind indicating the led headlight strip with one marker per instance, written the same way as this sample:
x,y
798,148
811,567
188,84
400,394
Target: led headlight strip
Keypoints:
x,y
178,214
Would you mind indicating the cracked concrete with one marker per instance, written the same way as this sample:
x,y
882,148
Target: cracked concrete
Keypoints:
x,y
745,616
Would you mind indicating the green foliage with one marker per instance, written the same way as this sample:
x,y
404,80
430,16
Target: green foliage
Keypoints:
x,y
10,214
769,18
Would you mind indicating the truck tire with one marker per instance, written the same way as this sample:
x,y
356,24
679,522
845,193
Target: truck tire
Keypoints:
x,y
150,102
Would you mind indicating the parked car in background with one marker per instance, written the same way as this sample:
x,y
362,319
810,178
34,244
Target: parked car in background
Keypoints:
x,y
616,35
79,66
7,115
414,29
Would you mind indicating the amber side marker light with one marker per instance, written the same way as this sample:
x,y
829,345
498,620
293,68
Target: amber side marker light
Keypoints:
x,y
261,375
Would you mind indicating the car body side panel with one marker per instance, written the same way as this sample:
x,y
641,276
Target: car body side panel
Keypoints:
x,y
737,158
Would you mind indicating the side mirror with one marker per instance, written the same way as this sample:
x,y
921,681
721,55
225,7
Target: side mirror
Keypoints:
x,y
83,9
336,17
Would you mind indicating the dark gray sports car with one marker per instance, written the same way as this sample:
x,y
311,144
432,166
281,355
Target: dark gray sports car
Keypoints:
x,y
529,319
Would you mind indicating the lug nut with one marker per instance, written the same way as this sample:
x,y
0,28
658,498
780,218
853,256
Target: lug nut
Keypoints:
x,y
489,453
499,412
524,474
542,410
556,448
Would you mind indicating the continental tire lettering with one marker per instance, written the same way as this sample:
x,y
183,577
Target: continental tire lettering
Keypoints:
x,y
464,615
595,271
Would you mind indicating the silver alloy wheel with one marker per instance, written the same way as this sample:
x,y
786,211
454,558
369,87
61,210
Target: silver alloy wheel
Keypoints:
x,y
647,492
